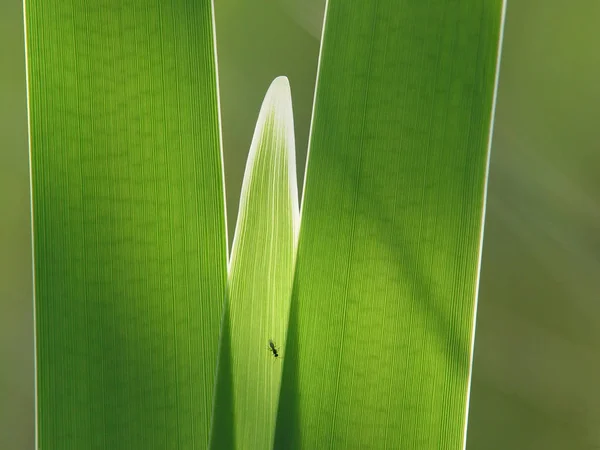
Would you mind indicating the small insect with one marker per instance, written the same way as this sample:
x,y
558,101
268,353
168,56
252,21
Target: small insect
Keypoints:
x,y
273,349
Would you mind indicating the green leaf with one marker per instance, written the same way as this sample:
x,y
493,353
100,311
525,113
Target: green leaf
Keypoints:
x,y
380,338
128,221
260,281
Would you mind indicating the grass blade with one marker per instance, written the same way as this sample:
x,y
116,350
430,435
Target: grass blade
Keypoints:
x,y
260,278
382,311
129,228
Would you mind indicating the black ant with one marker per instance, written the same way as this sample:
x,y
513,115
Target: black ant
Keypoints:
x,y
273,349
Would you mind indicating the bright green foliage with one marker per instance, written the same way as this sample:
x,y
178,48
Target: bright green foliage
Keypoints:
x,y
129,228
380,337
260,280
130,242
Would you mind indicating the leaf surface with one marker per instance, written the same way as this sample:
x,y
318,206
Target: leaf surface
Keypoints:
x,y
128,221
260,280
380,338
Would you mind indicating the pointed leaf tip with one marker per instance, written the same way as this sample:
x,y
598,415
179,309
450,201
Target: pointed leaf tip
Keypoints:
x,y
281,84
278,102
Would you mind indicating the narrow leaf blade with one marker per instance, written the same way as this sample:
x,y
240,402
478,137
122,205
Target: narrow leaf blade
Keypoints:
x,y
260,277
129,228
383,303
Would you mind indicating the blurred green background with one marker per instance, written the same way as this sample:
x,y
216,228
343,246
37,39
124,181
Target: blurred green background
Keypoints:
x,y
538,330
